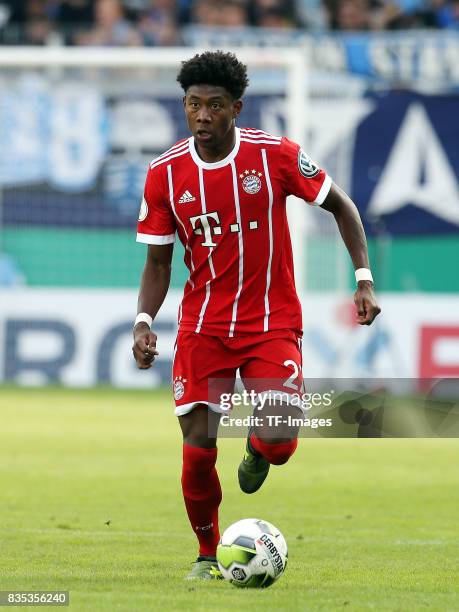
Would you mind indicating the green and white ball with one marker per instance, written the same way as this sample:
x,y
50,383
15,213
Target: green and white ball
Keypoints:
x,y
252,553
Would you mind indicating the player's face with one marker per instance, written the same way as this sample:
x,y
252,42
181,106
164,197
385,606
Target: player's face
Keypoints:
x,y
210,112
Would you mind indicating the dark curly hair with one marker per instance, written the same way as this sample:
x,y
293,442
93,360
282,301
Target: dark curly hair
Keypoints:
x,y
215,68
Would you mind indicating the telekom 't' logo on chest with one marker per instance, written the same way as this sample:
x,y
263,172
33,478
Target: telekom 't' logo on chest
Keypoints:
x,y
209,225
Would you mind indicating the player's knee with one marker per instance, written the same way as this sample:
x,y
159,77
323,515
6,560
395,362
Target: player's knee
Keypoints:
x,y
199,441
277,452
196,433
199,427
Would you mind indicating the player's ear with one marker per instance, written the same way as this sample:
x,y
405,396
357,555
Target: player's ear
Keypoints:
x,y
237,107
184,101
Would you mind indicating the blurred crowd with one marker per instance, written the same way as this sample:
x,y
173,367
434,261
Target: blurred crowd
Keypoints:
x,y
162,22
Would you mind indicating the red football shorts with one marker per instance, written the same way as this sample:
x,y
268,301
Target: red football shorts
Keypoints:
x,y
264,360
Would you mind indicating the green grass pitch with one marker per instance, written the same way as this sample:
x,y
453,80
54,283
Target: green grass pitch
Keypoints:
x,y
90,502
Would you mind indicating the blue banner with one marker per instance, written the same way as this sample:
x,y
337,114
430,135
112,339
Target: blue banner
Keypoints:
x,y
405,167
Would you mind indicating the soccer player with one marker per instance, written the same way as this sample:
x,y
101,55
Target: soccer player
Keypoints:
x,y
223,193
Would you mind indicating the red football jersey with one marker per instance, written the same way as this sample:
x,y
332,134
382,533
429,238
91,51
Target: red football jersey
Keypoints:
x,y
231,218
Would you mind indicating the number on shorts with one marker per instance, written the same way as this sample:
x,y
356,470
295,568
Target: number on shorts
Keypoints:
x,y
296,372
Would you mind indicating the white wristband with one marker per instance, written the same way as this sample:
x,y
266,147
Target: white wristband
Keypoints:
x,y
143,317
363,274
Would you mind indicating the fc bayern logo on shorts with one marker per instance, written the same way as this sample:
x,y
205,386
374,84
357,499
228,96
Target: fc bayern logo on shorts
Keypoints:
x,y
143,212
179,387
251,182
306,166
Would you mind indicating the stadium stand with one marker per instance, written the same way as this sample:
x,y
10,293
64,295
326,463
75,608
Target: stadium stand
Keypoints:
x,y
162,22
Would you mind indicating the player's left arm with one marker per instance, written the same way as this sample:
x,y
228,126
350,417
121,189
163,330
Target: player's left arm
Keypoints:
x,y
351,229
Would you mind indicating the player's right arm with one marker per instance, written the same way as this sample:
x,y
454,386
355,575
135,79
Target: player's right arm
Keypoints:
x,y
153,290
156,228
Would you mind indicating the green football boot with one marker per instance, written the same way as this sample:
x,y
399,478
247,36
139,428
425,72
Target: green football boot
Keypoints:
x,y
253,469
205,568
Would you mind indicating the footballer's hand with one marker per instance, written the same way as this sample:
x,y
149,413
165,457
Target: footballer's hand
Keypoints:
x,y
144,348
365,302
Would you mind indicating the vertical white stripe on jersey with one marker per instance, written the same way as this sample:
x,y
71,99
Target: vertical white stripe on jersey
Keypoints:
x,y
173,360
211,264
270,230
171,200
241,249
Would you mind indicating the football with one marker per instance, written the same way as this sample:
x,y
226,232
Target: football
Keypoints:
x,y
252,553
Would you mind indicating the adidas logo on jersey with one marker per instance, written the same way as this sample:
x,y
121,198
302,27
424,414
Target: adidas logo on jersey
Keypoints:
x,y
186,197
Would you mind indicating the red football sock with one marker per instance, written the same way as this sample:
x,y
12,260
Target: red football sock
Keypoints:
x,y
202,494
277,454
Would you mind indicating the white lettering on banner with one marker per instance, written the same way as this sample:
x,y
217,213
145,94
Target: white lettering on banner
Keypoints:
x,y
381,59
446,351
428,64
429,58
418,172
412,58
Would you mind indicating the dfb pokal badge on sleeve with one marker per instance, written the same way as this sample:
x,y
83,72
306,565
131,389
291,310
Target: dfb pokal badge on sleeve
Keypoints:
x,y
306,166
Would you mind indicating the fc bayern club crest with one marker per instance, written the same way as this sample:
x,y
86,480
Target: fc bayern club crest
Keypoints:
x,y
306,166
179,387
251,181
